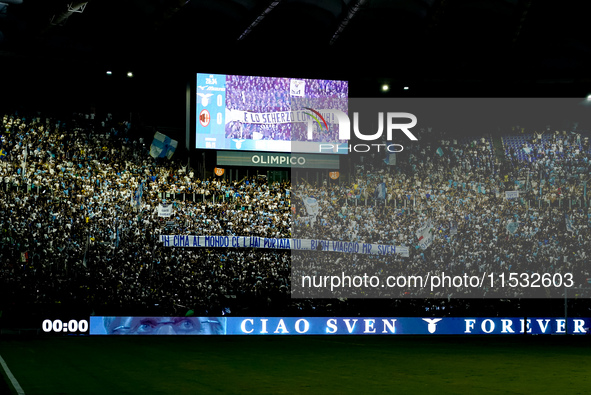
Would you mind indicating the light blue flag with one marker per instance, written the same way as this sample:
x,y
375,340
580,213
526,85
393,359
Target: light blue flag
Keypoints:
x,y
569,223
512,227
380,192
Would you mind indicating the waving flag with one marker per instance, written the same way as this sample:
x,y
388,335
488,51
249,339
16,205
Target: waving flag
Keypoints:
x,y
24,162
569,224
425,235
512,226
390,154
312,208
380,192
453,227
163,146
136,197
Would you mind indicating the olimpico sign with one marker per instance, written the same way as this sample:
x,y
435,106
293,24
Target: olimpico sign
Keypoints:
x,y
267,159
278,160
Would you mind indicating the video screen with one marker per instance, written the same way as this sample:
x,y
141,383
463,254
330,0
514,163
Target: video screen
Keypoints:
x,y
250,113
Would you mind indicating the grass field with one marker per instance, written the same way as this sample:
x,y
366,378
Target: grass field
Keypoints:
x,y
296,365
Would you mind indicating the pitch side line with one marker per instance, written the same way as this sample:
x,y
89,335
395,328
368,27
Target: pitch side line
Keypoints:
x,y
13,380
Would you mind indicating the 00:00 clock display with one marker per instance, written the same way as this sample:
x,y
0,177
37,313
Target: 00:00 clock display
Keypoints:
x,y
59,326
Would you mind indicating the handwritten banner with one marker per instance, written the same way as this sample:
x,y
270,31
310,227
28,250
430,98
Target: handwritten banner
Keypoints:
x,y
511,194
165,210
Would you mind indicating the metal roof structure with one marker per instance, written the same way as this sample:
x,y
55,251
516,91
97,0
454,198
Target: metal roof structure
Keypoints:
x,y
438,47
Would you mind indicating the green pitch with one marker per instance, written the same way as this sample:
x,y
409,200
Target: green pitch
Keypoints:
x,y
296,365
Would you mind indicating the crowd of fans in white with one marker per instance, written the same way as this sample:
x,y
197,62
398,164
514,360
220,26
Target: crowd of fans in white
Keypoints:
x,y
73,231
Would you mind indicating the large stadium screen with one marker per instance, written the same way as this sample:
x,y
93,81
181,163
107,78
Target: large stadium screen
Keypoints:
x,y
251,113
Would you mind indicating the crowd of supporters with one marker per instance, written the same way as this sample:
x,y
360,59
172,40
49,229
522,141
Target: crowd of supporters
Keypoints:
x,y
458,191
79,207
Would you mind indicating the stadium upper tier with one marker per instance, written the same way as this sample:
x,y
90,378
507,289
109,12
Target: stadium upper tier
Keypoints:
x,y
535,146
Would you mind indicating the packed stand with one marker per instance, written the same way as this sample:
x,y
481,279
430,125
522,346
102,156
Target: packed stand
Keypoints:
x,y
74,230
459,190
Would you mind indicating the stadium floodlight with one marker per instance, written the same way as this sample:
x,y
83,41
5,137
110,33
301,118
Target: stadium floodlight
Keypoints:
x,y
589,97
406,88
129,74
385,88
109,72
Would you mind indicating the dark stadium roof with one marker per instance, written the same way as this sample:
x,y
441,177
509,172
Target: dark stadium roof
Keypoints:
x,y
490,44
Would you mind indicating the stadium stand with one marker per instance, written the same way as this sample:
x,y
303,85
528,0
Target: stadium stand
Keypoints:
x,y
80,221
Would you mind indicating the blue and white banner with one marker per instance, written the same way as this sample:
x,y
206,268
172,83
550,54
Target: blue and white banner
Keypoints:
x,y
281,244
337,326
